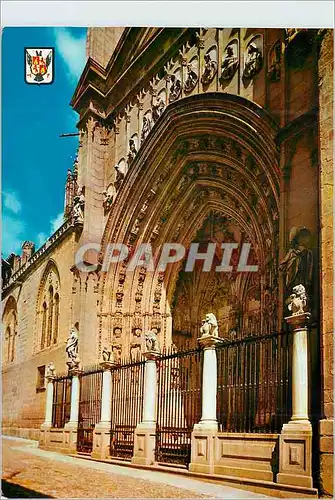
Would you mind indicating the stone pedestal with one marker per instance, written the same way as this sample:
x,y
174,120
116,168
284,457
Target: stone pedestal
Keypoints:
x,y
71,427
102,430
204,433
145,432
295,444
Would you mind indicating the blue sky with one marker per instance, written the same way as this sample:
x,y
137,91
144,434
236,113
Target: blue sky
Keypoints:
x,y
35,159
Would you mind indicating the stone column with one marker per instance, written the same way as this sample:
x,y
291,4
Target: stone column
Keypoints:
x,y
102,431
295,444
145,433
71,427
47,424
205,432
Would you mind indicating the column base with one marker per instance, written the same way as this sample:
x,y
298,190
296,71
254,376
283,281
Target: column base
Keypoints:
x,y
101,440
70,436
295,454
144,444
203,447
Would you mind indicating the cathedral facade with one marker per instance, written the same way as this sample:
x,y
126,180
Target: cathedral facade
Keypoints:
x,y
214,136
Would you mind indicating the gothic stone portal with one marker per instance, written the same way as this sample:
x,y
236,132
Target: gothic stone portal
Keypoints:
x,y
234,297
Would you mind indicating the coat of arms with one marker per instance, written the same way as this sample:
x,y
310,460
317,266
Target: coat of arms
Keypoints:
x,y
39,64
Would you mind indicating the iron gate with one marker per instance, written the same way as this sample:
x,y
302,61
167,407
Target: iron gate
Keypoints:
x,y
61,404
89,407
178,405
254,376
127,402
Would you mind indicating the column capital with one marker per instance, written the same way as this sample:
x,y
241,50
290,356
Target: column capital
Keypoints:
x,y
299,320
209,341
50,378
151,355
75,372
107,365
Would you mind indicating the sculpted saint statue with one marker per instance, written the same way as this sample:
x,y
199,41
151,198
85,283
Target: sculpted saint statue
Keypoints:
x,y
158,108
132,150
297,265
209,70
72,347
191,79
253,63
209,326
119,177
175,88
107,354
229,65
146,127
78,205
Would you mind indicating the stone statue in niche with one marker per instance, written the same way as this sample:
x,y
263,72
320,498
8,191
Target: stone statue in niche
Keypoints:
x,y
210,70
50,370
297,301
78,205
117,353
137,332
135,351
175,88
209,326
119,178
297,265
157,108
146,127
117,332
151,341
108,200
253,63
229,64
132,151
191,79
275,63
72,349
107,354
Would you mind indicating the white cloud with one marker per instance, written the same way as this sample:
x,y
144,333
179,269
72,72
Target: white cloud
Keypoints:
x,y
40,239
12,234
11,201
56,222
72,50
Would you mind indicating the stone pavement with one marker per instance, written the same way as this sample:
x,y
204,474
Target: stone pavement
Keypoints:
x,y
31,472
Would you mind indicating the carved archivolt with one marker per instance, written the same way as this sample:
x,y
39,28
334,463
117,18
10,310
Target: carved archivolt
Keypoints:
x,y
174,187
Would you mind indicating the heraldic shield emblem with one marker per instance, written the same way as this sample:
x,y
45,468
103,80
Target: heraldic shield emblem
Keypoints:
x,y
39,65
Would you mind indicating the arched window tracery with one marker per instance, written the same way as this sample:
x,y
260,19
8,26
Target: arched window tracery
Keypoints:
x,y
10,328
48,308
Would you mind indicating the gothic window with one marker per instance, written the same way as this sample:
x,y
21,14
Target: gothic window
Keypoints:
x,y
10,327
44,324
50,314
56,318
47,313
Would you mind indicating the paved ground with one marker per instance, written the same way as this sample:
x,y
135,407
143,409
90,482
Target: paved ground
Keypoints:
x,y
30,472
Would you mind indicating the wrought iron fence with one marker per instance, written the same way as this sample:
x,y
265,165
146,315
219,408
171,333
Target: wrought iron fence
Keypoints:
x,y
254,377
127,403
89,407
179,404
61,404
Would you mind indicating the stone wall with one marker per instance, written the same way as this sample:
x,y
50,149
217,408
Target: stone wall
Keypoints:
x,y
326,182
101,43
22,403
